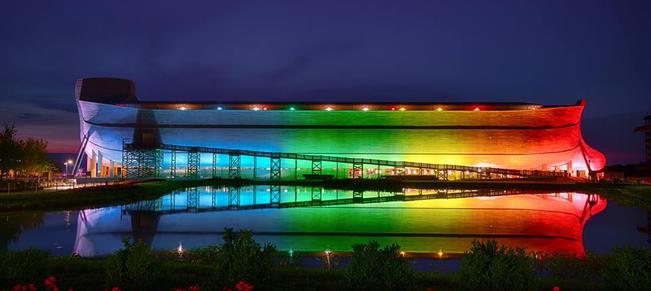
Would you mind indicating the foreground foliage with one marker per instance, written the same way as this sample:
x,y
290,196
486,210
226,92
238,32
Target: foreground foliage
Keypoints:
x,y
242,264
241,258
628,269
488,266
134,266
375,268
23,266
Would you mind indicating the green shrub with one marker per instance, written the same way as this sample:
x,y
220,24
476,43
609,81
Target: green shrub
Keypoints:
x,y
375,268
628,269
77,273
489,267
205,255
133,267
571,267
23,267
241,258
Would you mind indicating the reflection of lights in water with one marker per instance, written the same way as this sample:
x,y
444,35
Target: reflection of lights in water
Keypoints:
x,y
525,213
485,198
180,249
66,218
327,254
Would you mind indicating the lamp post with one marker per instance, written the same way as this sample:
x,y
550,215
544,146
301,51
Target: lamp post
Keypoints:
x,y
69,162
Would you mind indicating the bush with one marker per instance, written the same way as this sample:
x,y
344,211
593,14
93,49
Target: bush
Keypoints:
x,y
23,267
77,273
489,267
375,268
571,267
628,269
241,258
206,255
133,267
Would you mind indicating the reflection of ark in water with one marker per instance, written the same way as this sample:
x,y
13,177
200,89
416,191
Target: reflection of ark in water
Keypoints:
x,y
499,135
541,223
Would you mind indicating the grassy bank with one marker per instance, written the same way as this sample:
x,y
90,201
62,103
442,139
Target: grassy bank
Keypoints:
x,y
92,197
631,195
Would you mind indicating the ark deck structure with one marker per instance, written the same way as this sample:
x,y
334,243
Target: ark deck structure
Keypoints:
x,y
124,136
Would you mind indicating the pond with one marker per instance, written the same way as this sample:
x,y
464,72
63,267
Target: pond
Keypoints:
x,y
430,223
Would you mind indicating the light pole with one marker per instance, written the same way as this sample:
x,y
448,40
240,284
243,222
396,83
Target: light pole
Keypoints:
x,y
69,162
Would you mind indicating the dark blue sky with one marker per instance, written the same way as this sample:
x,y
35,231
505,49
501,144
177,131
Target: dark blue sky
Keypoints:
x,y
549,52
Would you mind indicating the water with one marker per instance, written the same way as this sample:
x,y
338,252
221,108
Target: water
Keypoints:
x,y
425,223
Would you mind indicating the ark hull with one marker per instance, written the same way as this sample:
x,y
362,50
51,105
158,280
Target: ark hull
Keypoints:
x,y
515,136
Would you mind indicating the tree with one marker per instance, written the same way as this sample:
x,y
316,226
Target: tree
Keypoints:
x,y
27,156
34,160
9,149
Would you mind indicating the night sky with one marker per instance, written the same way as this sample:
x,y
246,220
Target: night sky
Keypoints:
x,y
549,52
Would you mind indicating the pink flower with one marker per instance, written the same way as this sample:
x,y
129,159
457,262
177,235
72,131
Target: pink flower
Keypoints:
x,y
244,286
21,287
51,283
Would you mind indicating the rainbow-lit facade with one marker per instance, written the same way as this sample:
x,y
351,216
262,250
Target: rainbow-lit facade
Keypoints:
x,y
503,135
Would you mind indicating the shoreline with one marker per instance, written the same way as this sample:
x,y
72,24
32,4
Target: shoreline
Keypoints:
x,y
120,194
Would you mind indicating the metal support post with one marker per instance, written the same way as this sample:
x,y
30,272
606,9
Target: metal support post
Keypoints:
x,y
234,166
160,157
233,197
255,167
213,195
316,195
193,200
276,170
193,165
140,163
336,170
214,165
173,164
295,169
317,167
274,196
